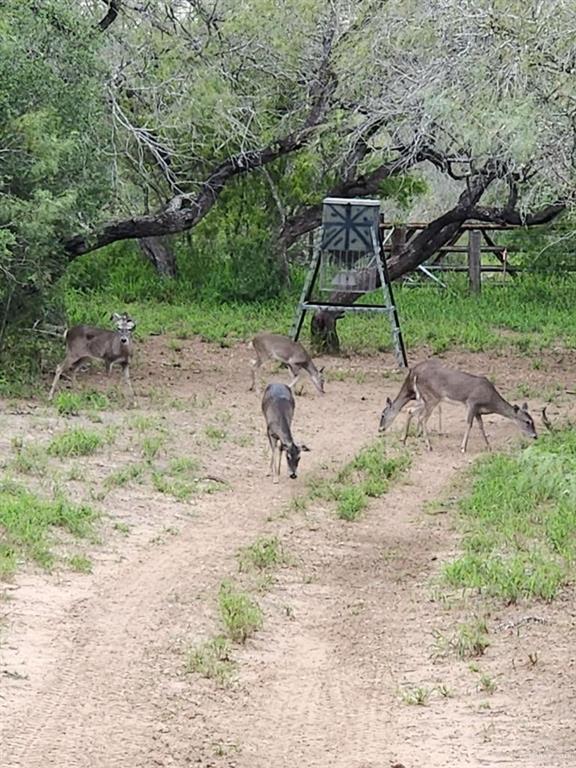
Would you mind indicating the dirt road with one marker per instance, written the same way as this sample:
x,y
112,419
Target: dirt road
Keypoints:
x,y
93,665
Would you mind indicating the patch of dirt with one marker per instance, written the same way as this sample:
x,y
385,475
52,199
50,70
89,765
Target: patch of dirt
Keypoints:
x,y
93,665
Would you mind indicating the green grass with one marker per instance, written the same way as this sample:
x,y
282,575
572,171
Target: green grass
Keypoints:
x,y
535,309
78,442
212,660
179,479
151,445
263,554
27,520
368,475
124,475
520,522
80,564
30,459
240,615
73,403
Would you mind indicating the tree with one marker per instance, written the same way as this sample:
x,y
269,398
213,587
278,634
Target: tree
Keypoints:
x,y
366,90
52,137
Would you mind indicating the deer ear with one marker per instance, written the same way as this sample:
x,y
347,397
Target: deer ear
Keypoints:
x,y
320,370
525,407
388,401
115,316
304,448
516,408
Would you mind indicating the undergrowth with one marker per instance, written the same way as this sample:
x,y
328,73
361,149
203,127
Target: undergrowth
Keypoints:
x,y
26,521
520,522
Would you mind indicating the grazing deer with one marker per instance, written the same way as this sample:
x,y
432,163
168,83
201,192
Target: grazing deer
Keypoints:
x,y
278,409
431,383
273,346
85,342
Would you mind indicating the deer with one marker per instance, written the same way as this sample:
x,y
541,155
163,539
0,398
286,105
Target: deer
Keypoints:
x,y
278,409
86,342
274,346
430,383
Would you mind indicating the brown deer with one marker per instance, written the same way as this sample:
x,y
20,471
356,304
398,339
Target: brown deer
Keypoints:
x,y
86,342
278,409
430,383
273,346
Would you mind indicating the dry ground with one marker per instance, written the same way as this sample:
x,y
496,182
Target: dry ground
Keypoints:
x,y
93,665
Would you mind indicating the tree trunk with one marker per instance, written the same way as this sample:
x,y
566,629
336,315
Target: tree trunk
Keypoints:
x,y
160,255
323,331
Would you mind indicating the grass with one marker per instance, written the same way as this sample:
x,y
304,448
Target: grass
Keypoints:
x,y
179,479
263,554
212,660
240,615
73,403
80,564
151,445
536,310
368,475
27,519
416,696
520,522
124,475
78,442
30,459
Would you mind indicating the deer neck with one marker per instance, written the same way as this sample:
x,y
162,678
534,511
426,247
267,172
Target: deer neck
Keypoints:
x,y
504,408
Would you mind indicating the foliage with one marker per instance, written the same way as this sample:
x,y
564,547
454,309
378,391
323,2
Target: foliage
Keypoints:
x,y
520,516
52,178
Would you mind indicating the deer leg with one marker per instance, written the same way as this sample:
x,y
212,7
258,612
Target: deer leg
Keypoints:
x,y
427,412
279,463
439,418
411,413
256,363
127,380
470,419
295,375
481,425
59,371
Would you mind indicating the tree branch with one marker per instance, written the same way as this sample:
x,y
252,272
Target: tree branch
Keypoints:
x,y
111,15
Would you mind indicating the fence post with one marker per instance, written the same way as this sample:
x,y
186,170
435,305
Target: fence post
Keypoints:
x,y
474,251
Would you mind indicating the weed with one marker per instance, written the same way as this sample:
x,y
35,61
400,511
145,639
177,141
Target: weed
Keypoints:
x,y
351,501
179,479
31,459
444,691
215,434
26,520
520,517
471,639
487,684
265,553
125,475
211,660
151,445
78,442
416,696
122,528
241,615
73,403
368,475
80,563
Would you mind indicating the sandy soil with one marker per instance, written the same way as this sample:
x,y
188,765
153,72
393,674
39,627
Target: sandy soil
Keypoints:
x,y
92,667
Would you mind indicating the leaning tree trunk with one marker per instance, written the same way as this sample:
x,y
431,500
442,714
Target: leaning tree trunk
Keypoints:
x,y
160,255
323,332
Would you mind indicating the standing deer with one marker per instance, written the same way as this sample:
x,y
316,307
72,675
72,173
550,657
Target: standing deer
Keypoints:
x,y
86,342
278,409
430,383
273,346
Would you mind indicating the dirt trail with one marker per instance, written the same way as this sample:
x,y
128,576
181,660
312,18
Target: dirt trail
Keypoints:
x,y
348,625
